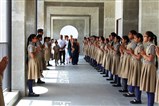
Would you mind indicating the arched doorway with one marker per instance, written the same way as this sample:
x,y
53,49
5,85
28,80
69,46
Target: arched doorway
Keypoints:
x,y
69,30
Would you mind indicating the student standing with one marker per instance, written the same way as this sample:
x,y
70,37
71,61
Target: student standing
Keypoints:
x,y
40,56
33,69
148,71
135,70
125,41
41,32
116,58
109,55
126,64
46,50
56,49
157,85
49,49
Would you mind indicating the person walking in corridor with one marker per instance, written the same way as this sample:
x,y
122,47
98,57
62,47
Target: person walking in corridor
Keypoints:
x,y
62,44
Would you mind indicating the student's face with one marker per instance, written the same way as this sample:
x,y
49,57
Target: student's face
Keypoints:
x,y
130,35
137,40
115,40
34,40
41,33
123,40
111,38
145,38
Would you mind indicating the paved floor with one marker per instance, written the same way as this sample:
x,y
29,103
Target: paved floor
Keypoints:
x,y
79,85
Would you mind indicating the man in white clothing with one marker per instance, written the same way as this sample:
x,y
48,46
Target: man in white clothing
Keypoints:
x,y
62,44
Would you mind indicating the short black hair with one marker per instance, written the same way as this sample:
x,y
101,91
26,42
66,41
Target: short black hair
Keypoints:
x,y
39,36
113,34
133,32
40,30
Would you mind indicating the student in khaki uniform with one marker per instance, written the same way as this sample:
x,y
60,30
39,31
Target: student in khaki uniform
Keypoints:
x,y
116,58
100,53
109,55
125,41
135,70
56,49
33,65
148,71
46,50
157,84
40,56
126,64
84,47
49,48
106,41
3,65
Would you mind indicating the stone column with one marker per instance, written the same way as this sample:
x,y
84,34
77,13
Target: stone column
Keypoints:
x,y
40,14
130,15
23,24
149,16
18,46
109,17
30,17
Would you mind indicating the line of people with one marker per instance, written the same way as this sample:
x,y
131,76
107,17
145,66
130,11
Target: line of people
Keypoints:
x,y
130,62
39,56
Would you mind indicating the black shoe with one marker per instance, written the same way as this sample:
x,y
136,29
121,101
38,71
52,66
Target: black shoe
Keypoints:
x,y
122,90
105,76
47,69
33,95
117,85
40,82
99,70
136,101
129,95
114,82
109,79
102,73
49,65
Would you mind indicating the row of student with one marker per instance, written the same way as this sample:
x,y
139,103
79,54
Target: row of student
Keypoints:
x,y
127,60
39,55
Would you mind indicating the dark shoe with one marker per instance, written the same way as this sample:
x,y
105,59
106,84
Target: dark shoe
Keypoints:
x,y
47,69
123,90
129,95
49,65
135,101
40,82
105,76
114,82
109,79
102,73
33,95
117,85
99,70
